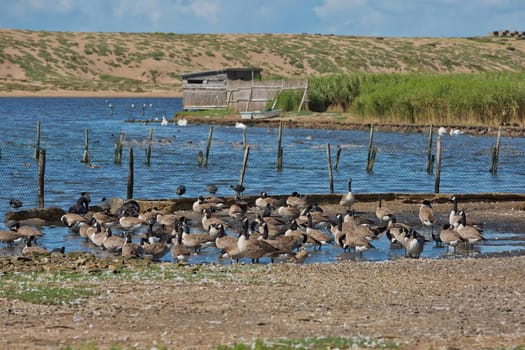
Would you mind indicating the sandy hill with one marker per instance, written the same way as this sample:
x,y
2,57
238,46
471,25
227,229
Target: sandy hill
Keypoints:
x,y
40,62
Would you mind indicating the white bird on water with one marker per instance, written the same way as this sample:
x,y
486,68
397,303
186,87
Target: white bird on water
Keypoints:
x,y
454,132
182,122
240,125
164,121
442,131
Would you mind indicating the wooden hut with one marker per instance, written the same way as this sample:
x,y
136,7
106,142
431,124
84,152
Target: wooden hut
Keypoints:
x,y
237,89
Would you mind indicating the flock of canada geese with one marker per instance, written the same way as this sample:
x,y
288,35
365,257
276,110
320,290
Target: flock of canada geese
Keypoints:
x,y
269,228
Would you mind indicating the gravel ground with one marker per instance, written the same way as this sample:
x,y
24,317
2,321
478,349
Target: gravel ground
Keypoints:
x,y
453,303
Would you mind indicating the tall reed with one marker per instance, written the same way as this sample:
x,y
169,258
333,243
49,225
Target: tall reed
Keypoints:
x,y
422,98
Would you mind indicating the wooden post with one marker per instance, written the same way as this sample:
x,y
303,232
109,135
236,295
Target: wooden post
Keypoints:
x,y
41,175
244,164
329,161
200,156
370,164
305,92
208,146
85,157
495,154
279,147
130,174
337,155
118,149
244,142
148,150
430,160
438,165
37,150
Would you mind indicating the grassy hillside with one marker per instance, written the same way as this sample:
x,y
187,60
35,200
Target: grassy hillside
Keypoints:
x,y
151,62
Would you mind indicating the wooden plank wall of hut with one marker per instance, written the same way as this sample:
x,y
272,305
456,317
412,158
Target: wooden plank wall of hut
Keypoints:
x,y
204,97
257,94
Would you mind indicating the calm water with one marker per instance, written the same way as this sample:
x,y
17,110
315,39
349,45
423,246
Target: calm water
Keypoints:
x,y
399,167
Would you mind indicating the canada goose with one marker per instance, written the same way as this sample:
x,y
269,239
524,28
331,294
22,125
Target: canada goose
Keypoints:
x,y
298,237
85,227
15,203
31,249
295,200
155,251
414,243
196,241
104,219
469,233
111,242
426,214
228,246
181,189
168,219
130,222
289,212
276,226
264,200
71,219
58,251
454,218
208,219
397,232
253,248
97,236
129,208
24,230
81,207
179,252
284,245
351,216
450,237
10,237
269,218
236,211
316,236
356,242
201,204
130,249
301,256
238,188
382,213
348,199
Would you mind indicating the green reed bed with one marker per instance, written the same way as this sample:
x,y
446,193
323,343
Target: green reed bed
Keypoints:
x,y
482,98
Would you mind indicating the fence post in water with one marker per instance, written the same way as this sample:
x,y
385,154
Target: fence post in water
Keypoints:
x,y
148,150
279,147
438,165
430,159
370,164
244,142
337,155
200,156
208,146
370,144
130,174
244,164
495,154
85,157
118,149
41,175
329,161
37,150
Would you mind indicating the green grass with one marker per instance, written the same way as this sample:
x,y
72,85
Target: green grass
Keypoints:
x,y
315,344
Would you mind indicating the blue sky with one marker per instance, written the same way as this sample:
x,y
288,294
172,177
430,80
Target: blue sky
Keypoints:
x,y
412,18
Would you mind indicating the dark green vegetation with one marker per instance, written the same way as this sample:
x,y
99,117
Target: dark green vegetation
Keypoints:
x,y
459,98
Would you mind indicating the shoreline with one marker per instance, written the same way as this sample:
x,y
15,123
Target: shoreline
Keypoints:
x,y
87,94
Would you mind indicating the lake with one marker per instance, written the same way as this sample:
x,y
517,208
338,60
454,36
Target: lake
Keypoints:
x,y
400,165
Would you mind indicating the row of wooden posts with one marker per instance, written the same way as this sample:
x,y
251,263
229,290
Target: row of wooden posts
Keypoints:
x,y
40,156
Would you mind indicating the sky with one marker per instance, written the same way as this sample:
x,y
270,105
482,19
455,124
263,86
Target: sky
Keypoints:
x,y
394,18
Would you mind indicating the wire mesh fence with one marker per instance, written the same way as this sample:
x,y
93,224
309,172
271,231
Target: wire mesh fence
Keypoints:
x,y
400,163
